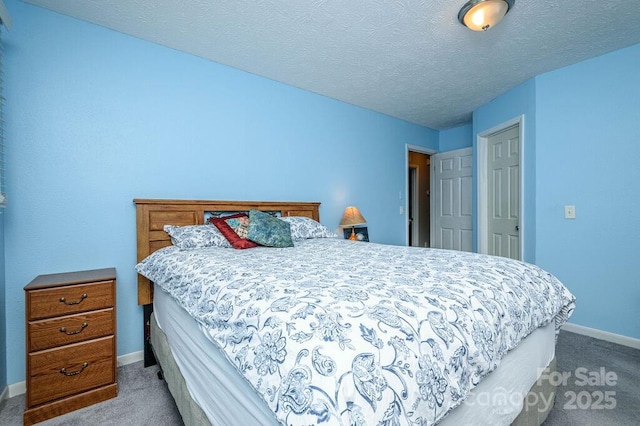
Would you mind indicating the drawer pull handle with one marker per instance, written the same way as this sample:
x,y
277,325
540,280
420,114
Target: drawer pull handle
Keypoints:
x,y
74,373
63,300
71,333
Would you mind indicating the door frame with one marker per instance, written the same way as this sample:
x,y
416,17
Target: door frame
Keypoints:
x,y
422,150
483,181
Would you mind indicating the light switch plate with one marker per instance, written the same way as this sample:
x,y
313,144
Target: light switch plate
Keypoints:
x,y
569,212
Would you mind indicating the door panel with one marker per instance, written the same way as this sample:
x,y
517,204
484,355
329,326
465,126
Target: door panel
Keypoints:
x,y
453,202
504,193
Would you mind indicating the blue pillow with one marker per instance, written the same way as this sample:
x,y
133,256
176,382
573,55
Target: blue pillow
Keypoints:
x,y
269,231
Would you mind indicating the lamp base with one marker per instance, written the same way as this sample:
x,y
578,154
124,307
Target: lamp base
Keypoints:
x,y
353,237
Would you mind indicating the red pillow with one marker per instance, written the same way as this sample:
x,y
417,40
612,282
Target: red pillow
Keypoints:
x,y
234,228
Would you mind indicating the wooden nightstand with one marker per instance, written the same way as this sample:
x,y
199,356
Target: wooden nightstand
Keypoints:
x,y
70,342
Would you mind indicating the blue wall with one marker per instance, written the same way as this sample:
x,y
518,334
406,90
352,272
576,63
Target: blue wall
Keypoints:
x,y
3,314
456,138
518,101
96,118
587,153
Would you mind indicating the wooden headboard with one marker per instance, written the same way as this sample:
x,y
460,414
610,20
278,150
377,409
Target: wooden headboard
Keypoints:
x,y
152,215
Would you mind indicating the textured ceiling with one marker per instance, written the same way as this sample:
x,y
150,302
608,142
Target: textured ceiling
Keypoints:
x,y
410,59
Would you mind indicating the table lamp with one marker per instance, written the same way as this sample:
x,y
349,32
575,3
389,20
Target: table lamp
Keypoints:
x,y
352,217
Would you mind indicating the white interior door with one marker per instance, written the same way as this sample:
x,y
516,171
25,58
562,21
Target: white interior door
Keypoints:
x,y
452,202
503,190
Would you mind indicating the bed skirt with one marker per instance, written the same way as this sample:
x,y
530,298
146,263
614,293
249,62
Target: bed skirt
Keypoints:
x,y
193,415
536,414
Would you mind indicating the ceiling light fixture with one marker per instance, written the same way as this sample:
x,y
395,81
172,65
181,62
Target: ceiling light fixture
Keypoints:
x,y
480,15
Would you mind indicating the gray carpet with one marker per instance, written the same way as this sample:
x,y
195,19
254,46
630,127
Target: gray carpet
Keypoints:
x,y
142,400
145,400
584,398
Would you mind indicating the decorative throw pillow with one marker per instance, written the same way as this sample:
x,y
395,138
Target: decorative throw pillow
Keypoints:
x,y
305,227
268,231
196,236
235,229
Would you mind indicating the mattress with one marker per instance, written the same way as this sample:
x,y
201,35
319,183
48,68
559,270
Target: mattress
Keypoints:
x,y
221,392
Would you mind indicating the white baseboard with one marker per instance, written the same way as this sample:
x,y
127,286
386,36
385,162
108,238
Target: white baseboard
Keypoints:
x,y
17,389
603,335
21,387
127,359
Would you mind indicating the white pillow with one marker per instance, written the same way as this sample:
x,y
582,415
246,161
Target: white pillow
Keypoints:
x,y
196,236
305,227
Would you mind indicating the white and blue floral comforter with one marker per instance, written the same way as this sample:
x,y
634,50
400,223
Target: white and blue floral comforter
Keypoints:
x,y
359,333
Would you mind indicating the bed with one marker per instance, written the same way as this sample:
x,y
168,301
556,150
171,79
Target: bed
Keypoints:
x,y
339,332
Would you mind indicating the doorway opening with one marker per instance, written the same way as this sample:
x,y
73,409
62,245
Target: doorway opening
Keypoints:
x,y
413,177
418,196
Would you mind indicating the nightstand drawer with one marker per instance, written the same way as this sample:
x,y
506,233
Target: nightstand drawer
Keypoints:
x,y
70,299
60,372
70,329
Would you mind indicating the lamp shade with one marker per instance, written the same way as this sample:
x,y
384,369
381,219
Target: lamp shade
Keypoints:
x,y
480,15
352,217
